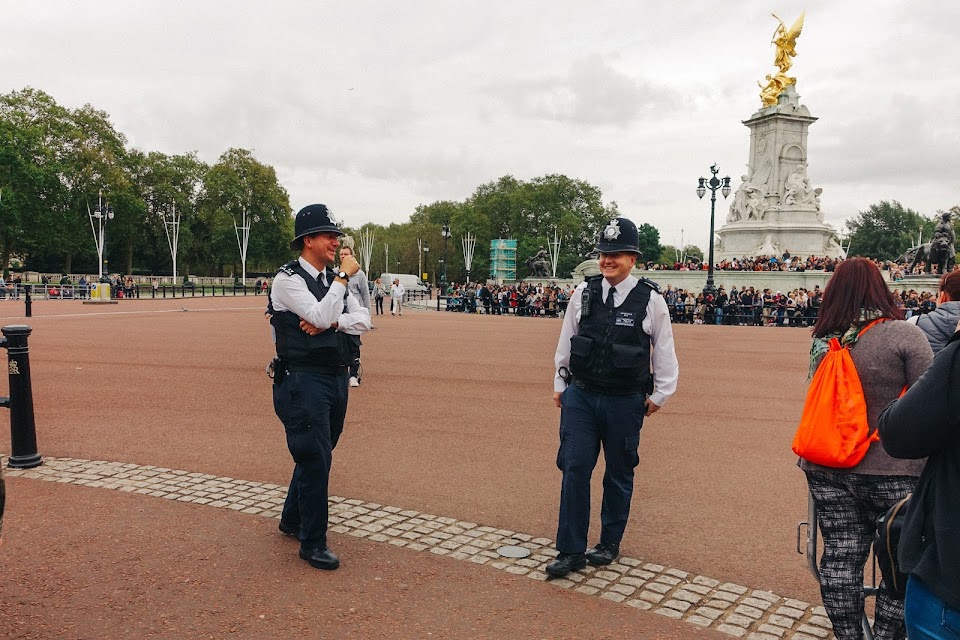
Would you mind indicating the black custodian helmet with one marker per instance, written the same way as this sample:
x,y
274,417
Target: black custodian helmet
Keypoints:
x,y
313,218
620,234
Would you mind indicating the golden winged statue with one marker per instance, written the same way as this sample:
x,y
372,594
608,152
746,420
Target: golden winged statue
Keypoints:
x,y
775,85
786,41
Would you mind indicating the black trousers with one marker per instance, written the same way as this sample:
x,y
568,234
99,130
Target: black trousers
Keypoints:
x,y
590,422
355,357
312,408
379,304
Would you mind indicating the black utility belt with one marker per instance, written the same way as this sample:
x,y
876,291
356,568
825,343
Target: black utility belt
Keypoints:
x,y
330,370
592,388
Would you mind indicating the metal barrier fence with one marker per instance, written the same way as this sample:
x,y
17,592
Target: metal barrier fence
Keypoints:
x,y
82,292
743,315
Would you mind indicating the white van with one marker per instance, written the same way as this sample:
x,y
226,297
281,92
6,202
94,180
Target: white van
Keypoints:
x,y
410,282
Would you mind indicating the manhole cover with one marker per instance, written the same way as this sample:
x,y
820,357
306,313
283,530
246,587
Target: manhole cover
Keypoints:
x,y
511,551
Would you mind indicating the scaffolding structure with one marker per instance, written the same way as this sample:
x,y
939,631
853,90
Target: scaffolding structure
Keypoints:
x,y
503,260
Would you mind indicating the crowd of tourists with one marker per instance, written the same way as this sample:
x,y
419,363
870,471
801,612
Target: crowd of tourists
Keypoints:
x,y
744,306
521,299
785,262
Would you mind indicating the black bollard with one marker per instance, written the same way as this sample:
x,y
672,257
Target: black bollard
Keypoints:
x,y
23,431
28,303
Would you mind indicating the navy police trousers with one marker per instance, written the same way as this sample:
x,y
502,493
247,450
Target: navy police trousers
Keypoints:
x,y
312,408
587,421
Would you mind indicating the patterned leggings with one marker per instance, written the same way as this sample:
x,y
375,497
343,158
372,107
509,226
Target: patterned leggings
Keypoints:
x,y
848,505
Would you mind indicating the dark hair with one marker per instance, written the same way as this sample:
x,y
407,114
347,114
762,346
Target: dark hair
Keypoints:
x,y
855,285
950,285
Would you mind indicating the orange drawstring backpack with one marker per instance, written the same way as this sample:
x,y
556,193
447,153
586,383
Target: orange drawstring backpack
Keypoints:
x,y
833,430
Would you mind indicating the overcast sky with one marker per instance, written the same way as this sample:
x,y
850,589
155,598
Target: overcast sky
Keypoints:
x,y
376,107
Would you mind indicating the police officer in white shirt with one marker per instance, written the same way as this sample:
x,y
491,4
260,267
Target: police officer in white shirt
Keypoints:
x,y
312,313
615,364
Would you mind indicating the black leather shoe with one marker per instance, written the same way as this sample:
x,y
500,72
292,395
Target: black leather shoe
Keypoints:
x,y
288,529
603,553
565,563
320,558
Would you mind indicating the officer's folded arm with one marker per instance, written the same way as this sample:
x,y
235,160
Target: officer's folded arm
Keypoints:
x,y
295,297
356,319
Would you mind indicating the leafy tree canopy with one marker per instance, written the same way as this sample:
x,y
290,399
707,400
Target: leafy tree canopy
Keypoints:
x,y
886,229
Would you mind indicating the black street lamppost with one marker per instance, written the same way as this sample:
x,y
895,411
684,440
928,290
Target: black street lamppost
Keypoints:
x,y
713,184
445,232
426,261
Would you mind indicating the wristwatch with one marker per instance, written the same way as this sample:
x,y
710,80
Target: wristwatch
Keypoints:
x,y
343,274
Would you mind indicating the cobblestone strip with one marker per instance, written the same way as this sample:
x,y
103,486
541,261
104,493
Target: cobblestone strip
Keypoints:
x,y
731,608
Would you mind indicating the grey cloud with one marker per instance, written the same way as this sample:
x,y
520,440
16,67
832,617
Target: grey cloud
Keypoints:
x,y
592,93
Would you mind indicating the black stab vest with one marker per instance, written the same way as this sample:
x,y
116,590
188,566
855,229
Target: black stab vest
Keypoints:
x,y
611,352
329,348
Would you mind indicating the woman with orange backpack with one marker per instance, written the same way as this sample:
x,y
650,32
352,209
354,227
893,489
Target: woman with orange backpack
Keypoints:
x,y
857,320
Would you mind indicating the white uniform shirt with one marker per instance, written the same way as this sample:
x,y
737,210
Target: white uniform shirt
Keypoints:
x,y
289,293
656,324
397,291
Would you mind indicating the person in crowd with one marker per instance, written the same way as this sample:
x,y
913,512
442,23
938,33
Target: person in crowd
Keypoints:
x,y
891,355
310,310
912,304
615,364
923,424
396,297
486,296
379,293
940,324
359,288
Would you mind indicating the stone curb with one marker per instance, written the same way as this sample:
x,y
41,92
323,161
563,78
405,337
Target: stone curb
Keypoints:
x,y
730,608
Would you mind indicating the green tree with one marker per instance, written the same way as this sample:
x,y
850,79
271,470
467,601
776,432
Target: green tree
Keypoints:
x,y
34,131
649,242
165,185
693,251
669,255
95,162
532,211
239,183
885,230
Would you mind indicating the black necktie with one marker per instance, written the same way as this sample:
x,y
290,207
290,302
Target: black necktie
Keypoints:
x,y
322,278
610,295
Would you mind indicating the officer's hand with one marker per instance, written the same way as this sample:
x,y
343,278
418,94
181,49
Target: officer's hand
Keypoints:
x,y
308,328
556,397
349,264
650,407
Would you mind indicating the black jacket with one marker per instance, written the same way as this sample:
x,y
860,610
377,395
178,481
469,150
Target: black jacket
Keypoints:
x,y
926,422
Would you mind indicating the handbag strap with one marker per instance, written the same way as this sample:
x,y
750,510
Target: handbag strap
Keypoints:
x,y
869,326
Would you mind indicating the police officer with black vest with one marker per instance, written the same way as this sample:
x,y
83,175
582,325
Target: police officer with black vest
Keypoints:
x,y
615,364
311,311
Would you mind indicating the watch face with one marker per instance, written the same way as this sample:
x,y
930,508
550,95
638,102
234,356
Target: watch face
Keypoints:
x,y
343,274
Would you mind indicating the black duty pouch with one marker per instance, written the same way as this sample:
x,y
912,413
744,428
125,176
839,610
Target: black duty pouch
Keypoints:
x,y
277,370
889,527
580,349
627,356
